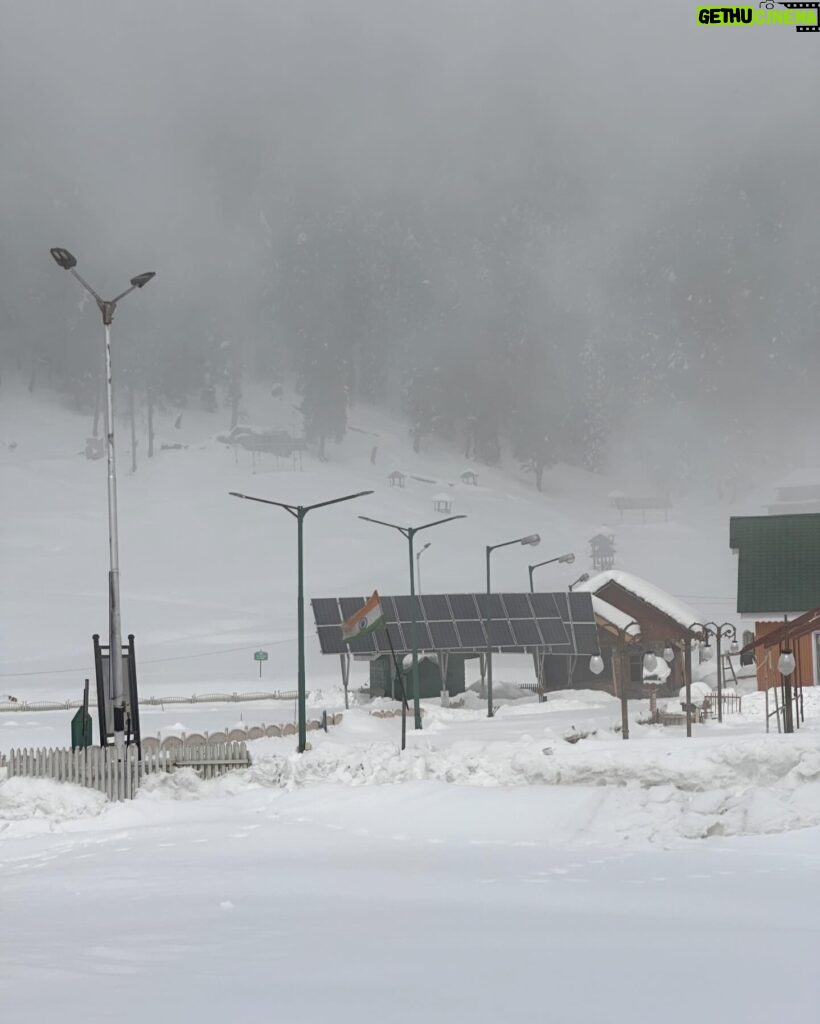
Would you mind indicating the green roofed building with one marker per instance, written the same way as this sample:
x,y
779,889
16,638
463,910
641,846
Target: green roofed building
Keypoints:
x,y
778,577
778,569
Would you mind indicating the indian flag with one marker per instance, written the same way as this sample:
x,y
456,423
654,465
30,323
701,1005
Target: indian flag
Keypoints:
x,y
365,620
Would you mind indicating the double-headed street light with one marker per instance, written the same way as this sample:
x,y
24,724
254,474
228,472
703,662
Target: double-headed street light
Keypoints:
x,y
299,512
64,259
567,559
409,532
702,632
531,540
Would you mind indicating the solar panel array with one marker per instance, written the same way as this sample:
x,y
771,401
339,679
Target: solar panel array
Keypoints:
x,y
517,623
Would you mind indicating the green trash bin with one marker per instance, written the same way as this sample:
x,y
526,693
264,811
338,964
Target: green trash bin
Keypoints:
x,y
81,729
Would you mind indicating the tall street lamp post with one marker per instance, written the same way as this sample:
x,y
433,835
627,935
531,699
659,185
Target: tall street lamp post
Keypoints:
x,y
64,259
531,540
299,512
409,532
567,559
724,631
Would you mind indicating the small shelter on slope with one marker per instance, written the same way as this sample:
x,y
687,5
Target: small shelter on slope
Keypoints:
x,y
397,478
469,476
443,503
602,548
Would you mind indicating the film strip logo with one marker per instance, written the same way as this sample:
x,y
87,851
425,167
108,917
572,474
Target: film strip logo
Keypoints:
x,y
801,7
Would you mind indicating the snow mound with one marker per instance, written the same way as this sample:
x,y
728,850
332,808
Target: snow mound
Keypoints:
x,y
185,784
22,798
741,787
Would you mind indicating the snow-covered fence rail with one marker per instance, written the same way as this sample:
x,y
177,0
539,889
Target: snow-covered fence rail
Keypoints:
x,y
119,778
208,759
203,698
94,767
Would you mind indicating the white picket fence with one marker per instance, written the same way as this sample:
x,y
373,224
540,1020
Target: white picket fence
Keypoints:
x,y
119,778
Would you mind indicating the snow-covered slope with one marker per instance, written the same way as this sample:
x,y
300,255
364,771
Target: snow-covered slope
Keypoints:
x,y
207,579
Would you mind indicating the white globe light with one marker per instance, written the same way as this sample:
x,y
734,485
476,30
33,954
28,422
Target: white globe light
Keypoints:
x,y
650,662
596,664
707,652
785,663
734,647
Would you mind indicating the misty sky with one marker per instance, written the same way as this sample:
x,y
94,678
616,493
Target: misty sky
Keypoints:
x,y
197,139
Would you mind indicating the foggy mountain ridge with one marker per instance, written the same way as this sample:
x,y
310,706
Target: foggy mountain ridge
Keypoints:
x,y
586,239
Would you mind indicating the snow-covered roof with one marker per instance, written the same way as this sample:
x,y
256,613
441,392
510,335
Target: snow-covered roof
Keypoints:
x,y
407,660
619,619
441,496
676,609
806,477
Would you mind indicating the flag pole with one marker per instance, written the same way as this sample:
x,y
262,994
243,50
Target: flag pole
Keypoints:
x,y
401,685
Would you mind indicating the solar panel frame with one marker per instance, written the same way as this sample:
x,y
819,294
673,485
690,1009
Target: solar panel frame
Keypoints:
x,y
350,605
438,632
330,640
580,607
544,628
526,632
553,632
500,633
490,606
586,638
463,606
517,606
424,641
404,608
436,608
544,606
471,633
326,611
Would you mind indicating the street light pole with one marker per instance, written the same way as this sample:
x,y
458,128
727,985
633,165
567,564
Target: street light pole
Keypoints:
x,y
567,559
626,636
409,532
66,261
531,540
418,564
299,512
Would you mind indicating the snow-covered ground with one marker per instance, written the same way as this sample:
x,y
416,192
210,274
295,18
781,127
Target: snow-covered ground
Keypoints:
x,y
533,865
492,870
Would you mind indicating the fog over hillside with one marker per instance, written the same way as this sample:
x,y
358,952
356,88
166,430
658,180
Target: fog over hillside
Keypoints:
x,y
530,230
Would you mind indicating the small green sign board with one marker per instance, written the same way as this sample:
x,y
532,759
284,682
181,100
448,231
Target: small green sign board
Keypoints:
x,y
260,656
81,729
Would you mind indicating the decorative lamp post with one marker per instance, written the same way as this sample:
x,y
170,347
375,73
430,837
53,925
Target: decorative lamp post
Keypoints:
x,y
702,632
785,666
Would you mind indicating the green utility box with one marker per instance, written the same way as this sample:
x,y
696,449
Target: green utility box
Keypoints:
x,y
81,730
382,675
